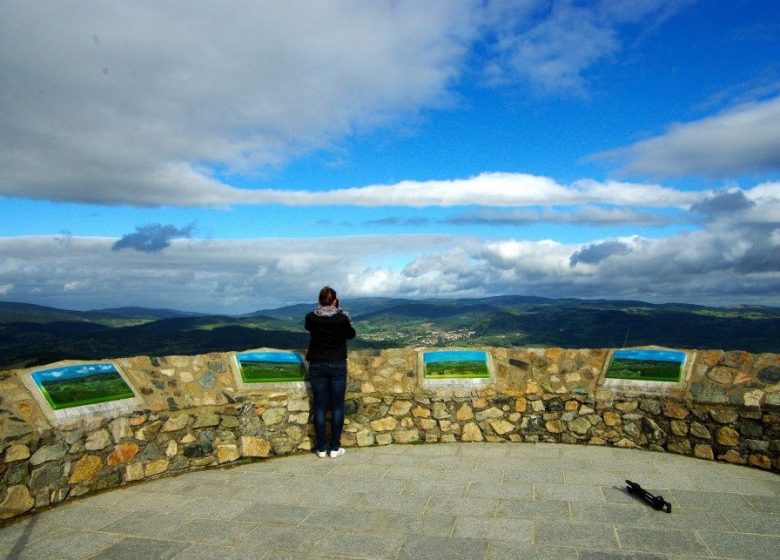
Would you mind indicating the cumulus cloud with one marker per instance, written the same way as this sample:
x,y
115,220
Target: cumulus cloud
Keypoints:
x,y
757,208
215,276
723,203
552,44
133,103
742,139
597,252
734,264
139,103
152,238
764,192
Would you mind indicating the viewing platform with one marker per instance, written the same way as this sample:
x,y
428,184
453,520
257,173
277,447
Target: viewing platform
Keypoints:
x,y
470,453
484,501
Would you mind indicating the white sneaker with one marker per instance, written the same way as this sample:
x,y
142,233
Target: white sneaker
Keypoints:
x,y
322,454
337,453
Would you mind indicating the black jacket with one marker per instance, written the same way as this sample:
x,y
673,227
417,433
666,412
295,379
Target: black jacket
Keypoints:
x,y
329,337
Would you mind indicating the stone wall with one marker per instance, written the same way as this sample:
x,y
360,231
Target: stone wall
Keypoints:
x,y
194,416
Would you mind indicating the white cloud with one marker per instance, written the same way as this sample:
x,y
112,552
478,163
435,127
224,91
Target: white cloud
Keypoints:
x,y
373,281
743,139
215,275
129,103
553,44
73,286
539,257
485,189
734,264
137,103
764,192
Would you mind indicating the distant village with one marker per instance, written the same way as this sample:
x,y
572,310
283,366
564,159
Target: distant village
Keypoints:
x,y
433,337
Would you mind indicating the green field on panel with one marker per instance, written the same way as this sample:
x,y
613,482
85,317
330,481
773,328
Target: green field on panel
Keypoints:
x,y
456,370
646,370
80,391
266,372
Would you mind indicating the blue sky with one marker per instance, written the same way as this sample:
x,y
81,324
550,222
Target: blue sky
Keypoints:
x,y
70,372
659,355
231,157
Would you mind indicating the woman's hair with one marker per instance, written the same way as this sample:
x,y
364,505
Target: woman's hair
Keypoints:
x,y
327,296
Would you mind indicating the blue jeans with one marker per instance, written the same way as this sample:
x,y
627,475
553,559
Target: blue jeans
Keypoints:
x,y
329,385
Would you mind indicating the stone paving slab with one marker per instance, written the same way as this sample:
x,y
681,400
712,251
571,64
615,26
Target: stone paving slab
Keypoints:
x,y
643,539
449,501
533,509
434,524
155,525
134,548
501,490
433,487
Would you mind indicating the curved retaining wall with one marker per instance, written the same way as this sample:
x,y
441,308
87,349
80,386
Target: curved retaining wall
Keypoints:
x,y
194,416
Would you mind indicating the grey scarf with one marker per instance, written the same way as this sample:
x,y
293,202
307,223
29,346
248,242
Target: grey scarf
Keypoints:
x,y
330,311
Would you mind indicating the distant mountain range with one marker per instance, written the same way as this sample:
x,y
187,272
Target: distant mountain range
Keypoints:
x,y
33,335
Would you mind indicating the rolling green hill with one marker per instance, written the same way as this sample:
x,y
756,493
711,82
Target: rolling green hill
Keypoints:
x,y
34,335
30,343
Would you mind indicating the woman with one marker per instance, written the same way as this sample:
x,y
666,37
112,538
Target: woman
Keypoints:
x,y
330,328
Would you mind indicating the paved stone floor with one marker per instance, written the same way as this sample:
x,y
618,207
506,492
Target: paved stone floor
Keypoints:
x,y
448,501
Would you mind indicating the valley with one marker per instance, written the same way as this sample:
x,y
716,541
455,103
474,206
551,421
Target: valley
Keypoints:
x,y
32,335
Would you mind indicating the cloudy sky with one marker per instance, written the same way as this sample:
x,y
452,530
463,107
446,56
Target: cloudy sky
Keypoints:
x,y
233,156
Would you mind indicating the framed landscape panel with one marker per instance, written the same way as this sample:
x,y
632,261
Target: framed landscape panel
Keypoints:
x,y
71,390
83,384
646,367
456,365
269,366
